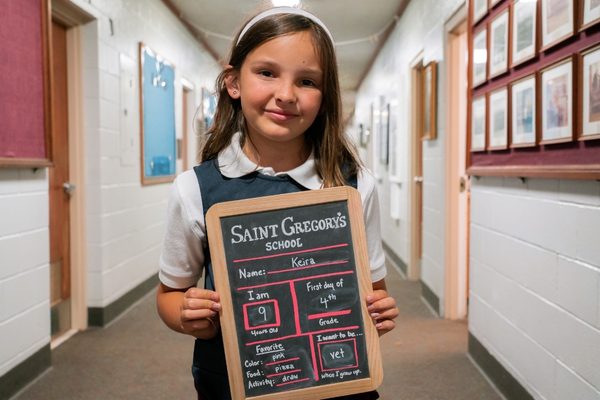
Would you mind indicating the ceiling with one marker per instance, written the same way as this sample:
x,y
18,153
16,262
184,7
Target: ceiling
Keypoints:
x,y
359,28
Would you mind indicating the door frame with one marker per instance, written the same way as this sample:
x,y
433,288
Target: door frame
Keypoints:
x,y
188,139
456,204
416,169
72,17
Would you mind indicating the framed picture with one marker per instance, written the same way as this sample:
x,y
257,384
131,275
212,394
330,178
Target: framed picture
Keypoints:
x,y
375,121
499,44
557,102
478,123
558,21
524,32
157,115
590,94
523,112
429,113
362,142
383,131
480,58
498,121
590,13
393,130
480,8
209,107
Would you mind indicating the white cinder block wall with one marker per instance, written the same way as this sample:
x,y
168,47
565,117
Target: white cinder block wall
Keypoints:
x,y
124,220
535,282
420,29
535,246
24,265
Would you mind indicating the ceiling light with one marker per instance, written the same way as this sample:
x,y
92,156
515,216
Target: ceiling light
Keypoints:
x,y
285,3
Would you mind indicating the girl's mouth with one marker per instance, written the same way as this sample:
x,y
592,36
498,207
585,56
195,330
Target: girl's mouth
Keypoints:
x,y
278,115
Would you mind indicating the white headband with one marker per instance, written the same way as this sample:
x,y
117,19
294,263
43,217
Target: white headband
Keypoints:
x,y
283,10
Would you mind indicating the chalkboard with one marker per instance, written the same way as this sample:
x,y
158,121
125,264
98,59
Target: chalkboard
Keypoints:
x,y
292,271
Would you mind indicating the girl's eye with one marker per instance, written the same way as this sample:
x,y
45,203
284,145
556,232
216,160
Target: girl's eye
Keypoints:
x,y
266,73
307,82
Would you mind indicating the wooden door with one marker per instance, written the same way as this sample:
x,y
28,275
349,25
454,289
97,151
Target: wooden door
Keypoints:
x,y
59,190
414,271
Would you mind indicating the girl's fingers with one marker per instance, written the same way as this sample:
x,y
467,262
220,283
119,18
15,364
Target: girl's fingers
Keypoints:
x,y
382,305
191,315
387,314
385,326
197,293
197,304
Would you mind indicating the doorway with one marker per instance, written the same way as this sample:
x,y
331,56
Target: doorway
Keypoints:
x,y
456,282
60,189
416,176
67,228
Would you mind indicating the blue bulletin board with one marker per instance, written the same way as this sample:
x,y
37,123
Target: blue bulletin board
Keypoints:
x,y
157,115
209,107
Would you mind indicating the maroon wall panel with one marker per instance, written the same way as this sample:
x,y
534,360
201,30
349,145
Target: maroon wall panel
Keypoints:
x,y
22,129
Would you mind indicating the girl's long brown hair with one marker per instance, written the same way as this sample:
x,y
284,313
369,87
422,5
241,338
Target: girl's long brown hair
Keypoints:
x,y
335,155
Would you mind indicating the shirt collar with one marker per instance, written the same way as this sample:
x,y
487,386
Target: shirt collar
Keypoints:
x,y
233,163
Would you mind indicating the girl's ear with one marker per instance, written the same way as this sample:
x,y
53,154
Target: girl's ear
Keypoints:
x,y
232,83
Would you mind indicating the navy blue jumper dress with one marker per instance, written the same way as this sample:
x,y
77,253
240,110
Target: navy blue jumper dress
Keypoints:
x,y
209,368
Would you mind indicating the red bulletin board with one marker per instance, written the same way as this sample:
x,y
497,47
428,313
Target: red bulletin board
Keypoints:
x,y
24,80
574,159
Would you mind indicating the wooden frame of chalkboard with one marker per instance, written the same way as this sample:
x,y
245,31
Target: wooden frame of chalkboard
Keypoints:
x,y
292,272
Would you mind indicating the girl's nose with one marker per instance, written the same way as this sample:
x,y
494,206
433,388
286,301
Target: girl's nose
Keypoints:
x,y
285,93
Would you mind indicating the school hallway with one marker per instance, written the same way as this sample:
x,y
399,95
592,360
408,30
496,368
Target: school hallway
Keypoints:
x,y
137,357
479,123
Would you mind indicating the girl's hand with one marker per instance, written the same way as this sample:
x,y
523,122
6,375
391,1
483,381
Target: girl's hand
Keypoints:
x,y
199,314
383,310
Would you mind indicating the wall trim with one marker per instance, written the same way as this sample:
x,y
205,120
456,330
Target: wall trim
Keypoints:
x,y
395,258
102,316
25,372
502,379
430,297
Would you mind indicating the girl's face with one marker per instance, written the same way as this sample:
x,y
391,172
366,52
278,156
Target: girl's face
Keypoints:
x,y
280,89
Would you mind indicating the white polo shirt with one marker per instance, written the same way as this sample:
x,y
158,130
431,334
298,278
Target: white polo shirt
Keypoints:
x,y
182,258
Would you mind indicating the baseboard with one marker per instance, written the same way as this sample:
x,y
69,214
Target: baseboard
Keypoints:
x,y
32,367
430,297
500,377
395,258
101,316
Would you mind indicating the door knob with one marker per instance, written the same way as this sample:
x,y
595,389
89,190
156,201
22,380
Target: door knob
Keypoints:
x,y
69,188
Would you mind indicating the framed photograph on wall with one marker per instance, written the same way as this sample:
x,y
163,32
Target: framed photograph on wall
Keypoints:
x,y
429,113
590,12
209,107
557,102
589,83
558,21
524,32
499,44
478,123
523,112
480,58
498,120
383,131
480,8
157,115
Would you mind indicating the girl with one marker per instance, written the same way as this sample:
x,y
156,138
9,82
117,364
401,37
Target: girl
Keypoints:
x,y
277,129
